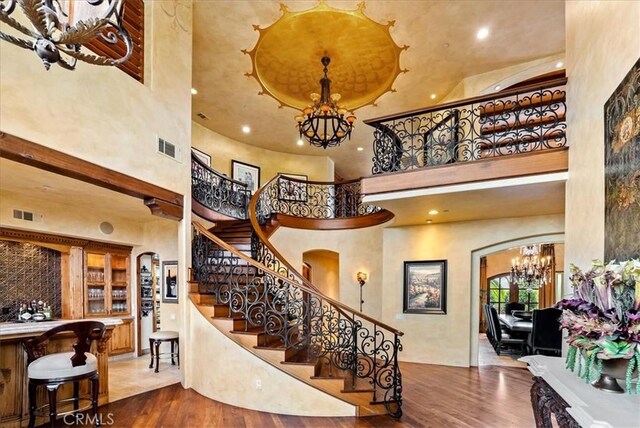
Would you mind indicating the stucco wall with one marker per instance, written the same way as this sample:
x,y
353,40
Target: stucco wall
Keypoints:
x,y
603,43
228,373
102,115
325,271
222,150
359,250
445,339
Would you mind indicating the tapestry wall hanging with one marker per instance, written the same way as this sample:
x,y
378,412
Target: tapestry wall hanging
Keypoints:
x,y
622,169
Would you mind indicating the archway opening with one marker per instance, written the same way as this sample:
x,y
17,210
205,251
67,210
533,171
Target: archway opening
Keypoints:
x,y
322,268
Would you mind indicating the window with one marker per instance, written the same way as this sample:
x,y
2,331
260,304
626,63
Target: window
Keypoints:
x,y
529,298
133,22
499,292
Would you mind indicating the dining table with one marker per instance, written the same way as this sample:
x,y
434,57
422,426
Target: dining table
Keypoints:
x,y
515,323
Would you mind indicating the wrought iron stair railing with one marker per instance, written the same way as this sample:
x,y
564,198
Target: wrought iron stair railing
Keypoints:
x,y
312,199
299,318
218,192
521,120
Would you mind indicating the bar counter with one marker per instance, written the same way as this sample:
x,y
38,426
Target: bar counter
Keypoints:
x,y
13,366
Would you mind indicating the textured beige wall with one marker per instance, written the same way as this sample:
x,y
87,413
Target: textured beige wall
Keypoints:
x,y
325,271
603,43
228,374
445,339
359,250
222,150
479,84
102,115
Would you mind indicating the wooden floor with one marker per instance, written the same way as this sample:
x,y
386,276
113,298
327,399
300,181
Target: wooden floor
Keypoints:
x,y
434,396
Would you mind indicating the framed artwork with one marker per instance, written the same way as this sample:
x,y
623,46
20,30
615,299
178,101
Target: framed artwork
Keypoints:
x,y
425,287
202,156
247,174
170,282
622,169
292,191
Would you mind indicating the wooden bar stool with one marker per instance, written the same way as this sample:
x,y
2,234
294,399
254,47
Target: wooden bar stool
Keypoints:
x,y
53,370
155,339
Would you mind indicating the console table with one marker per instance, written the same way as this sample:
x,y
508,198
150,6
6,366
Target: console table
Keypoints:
x,y
559,393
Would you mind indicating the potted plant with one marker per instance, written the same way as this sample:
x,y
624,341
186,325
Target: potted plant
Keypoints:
x,y
603,324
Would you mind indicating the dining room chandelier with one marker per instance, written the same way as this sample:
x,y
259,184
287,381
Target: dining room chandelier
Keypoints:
x,y
532,271
323,124
59,28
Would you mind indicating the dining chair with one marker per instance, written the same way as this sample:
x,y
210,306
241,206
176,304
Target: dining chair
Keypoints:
x,y
503,341
489,322
546,335
513,306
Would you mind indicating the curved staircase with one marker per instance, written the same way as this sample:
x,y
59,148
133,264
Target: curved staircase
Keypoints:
x,y
244,287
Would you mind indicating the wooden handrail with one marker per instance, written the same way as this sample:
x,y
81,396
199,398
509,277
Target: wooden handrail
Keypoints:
x,y
475,100
203,230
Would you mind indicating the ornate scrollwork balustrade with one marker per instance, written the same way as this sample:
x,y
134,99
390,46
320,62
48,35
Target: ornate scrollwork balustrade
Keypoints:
x,y
521,120
349,343
218,192
312,199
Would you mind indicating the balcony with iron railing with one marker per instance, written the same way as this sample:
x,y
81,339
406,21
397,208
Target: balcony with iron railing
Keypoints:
x,y
483,138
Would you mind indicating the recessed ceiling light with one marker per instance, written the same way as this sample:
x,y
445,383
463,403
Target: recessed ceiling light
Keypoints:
x,y
429,221
194,91
360,149
433,96
246,129
498,87
300,142
482,33
559,64
433,212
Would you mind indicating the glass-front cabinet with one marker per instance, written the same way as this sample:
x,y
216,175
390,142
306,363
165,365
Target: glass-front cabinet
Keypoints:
x,y
107,290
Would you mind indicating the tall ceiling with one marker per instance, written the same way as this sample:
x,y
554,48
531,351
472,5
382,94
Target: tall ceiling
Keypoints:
x,y
443,50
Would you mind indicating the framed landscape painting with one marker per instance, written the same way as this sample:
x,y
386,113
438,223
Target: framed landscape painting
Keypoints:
x,y
425,287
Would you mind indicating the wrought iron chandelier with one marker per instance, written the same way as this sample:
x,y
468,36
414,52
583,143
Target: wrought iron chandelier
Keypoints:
x,y
323,124
532,271
61,27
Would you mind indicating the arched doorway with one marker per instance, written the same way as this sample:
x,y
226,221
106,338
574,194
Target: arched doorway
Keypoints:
x,y
476,258
322,268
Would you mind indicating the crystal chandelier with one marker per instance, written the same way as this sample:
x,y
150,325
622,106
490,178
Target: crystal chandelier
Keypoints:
x,y
323,124
61,27
532,271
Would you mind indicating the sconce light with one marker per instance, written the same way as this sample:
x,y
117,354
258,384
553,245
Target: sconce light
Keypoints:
x,y
362,279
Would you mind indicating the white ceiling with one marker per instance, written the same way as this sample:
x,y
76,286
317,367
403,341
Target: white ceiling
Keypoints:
x,y
501,202
443,50
43,186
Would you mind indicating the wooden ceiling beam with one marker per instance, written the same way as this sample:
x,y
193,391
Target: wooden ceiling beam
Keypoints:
x,y
29,153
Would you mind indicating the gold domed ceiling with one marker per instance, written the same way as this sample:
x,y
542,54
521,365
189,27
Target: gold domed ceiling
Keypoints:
x,y
365,60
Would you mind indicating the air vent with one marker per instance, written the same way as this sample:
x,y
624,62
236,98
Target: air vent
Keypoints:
x,y
202,116
168,149
26,215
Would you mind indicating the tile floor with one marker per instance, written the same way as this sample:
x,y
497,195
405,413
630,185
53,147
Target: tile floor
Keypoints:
x,y
133,376
488,357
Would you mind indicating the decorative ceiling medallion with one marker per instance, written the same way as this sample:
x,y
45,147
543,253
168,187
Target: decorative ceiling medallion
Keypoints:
x,y
365,60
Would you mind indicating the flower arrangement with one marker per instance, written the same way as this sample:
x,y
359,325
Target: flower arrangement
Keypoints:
x,y
603,318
